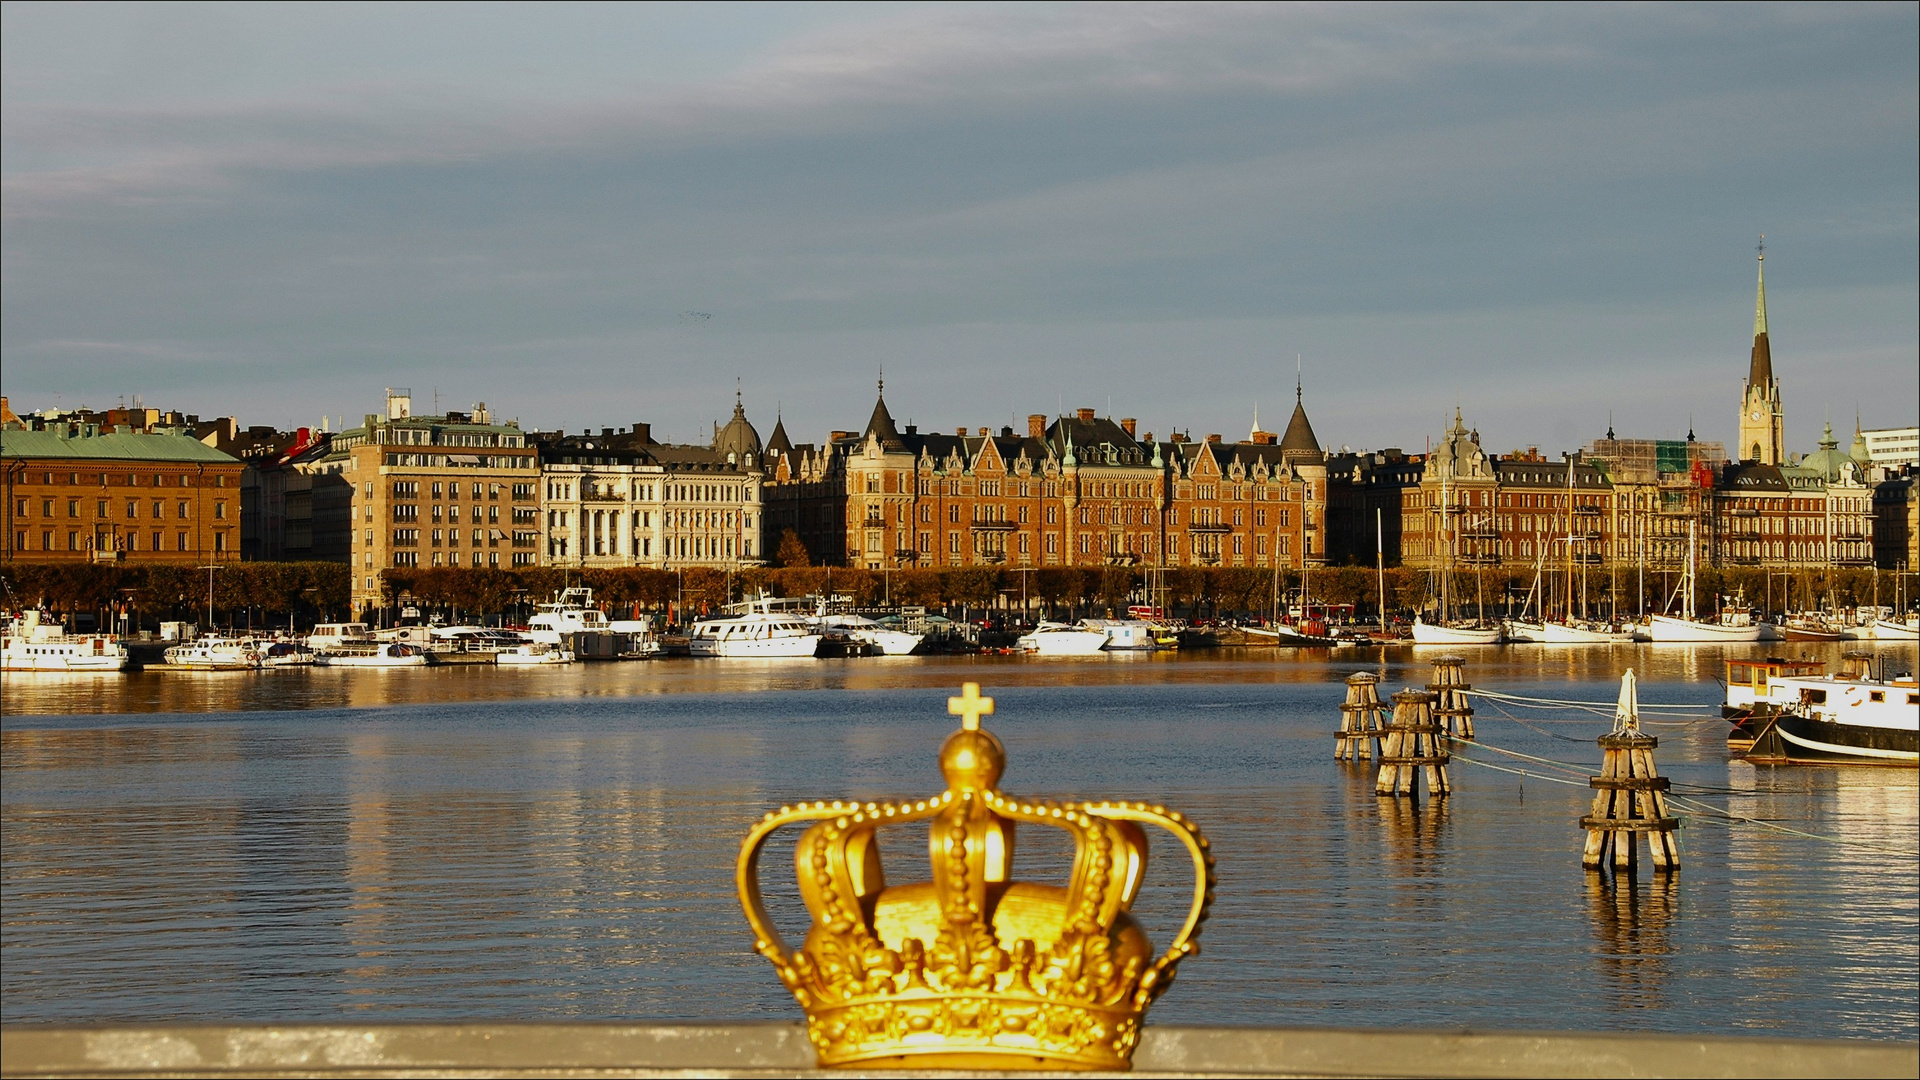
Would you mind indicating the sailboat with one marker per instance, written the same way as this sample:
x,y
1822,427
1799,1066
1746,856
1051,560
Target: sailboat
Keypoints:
x,y
1567,630
1446,632
1685,628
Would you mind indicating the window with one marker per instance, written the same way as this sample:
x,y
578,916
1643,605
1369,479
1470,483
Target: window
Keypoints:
x,y
46,541
156,541
182,542
183,509
133,508
220,541
73,508
220,510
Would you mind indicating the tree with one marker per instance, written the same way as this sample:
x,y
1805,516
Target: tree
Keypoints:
x,y
791,551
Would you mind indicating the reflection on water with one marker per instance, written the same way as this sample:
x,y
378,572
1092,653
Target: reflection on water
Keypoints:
x,y
1631,917
504,844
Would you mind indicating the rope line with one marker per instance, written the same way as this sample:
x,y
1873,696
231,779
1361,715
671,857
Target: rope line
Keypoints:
x,y
1607,707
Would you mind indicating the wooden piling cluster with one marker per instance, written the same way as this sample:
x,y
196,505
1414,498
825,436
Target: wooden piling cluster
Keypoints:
x,y
1452,709
1412,745
1362,720
1629,799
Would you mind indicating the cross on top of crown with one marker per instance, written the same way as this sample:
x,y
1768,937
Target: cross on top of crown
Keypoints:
x,y
970,706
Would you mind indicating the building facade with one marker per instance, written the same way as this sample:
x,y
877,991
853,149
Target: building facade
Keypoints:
x,y
80,495
620,499
451,490
1079,490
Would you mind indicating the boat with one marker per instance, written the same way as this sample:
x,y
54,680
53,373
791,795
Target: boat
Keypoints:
x,y
759,632
532,654
1573,632
211,652
1890,630
332,635
1521,630
377,654
1813,628
1426,633
571,620
859,628
1734,625
1852,717
282,654
29,643
1060,639
1125,635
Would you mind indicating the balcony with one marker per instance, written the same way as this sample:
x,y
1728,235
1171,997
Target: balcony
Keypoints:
x,y
994,526
1210,529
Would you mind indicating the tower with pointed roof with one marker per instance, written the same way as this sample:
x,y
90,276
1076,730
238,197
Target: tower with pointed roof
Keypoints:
x,y
1761,418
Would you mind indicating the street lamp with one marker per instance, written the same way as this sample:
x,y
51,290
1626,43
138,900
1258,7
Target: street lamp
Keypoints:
x,y
210,568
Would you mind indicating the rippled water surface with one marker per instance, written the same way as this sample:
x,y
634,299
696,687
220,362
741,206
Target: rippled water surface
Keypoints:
x,y
480,843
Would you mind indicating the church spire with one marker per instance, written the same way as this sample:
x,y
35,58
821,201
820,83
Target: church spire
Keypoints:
x,y
1760,298
1760,371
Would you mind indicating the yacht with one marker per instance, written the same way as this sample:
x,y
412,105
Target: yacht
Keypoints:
x,y
373,654
1059,639
864,630
1126,635
1891,630
282,654
1852,717
211,652
760,631
532,654
31,644
1524,631
330,635
572,612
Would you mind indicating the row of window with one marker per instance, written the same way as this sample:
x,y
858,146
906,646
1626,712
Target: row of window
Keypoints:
x,y
126,541
104,508
684,547
73,479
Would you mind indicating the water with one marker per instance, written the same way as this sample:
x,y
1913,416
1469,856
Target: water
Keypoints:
x,y
478,843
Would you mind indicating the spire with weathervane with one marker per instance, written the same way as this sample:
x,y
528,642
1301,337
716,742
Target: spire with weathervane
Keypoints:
x,y
1761,418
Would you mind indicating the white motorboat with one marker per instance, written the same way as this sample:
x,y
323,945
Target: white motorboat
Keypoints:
x,y
532,654
1578,633
332,635
1521,630
572,612
387,654
1059,639
866,631
1890,630
211,652
1125,635
1667,628
30,644
282,654
1426,633
759,632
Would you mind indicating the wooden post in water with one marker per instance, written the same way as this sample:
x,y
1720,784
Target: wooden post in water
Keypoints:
x,y
1452,708
1629,796
1361,720
1412,744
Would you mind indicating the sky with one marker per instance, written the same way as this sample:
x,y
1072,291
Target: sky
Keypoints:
x,y
591,215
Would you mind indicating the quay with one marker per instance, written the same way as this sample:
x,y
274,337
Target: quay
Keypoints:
x,y
779,1048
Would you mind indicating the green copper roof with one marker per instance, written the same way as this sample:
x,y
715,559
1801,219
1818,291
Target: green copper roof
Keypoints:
x,y
119,446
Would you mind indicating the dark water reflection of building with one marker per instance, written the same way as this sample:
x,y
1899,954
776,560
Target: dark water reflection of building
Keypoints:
x,y
1632,920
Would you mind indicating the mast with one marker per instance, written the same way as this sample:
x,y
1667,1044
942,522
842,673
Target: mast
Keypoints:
x,y
1380,563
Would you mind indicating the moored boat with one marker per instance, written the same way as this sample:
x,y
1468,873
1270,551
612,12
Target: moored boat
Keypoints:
x,y
1060,639
532,654
386,654
1890,630
211,652
1667,628
1426,633
1579,633
31,644
1125,635
1791,711
760,632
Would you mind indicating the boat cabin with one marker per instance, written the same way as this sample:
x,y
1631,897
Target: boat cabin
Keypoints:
x,y
1767,682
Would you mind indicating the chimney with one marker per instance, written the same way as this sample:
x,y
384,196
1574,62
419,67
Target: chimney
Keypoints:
x,y
1037,426
913,429
836,436
1266,438
1213,438
961,431
983,433
1127,424
606,433
1006,431
1177,437
1085,414
643,433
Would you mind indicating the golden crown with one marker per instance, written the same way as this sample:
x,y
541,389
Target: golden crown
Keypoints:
x,y
971,969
